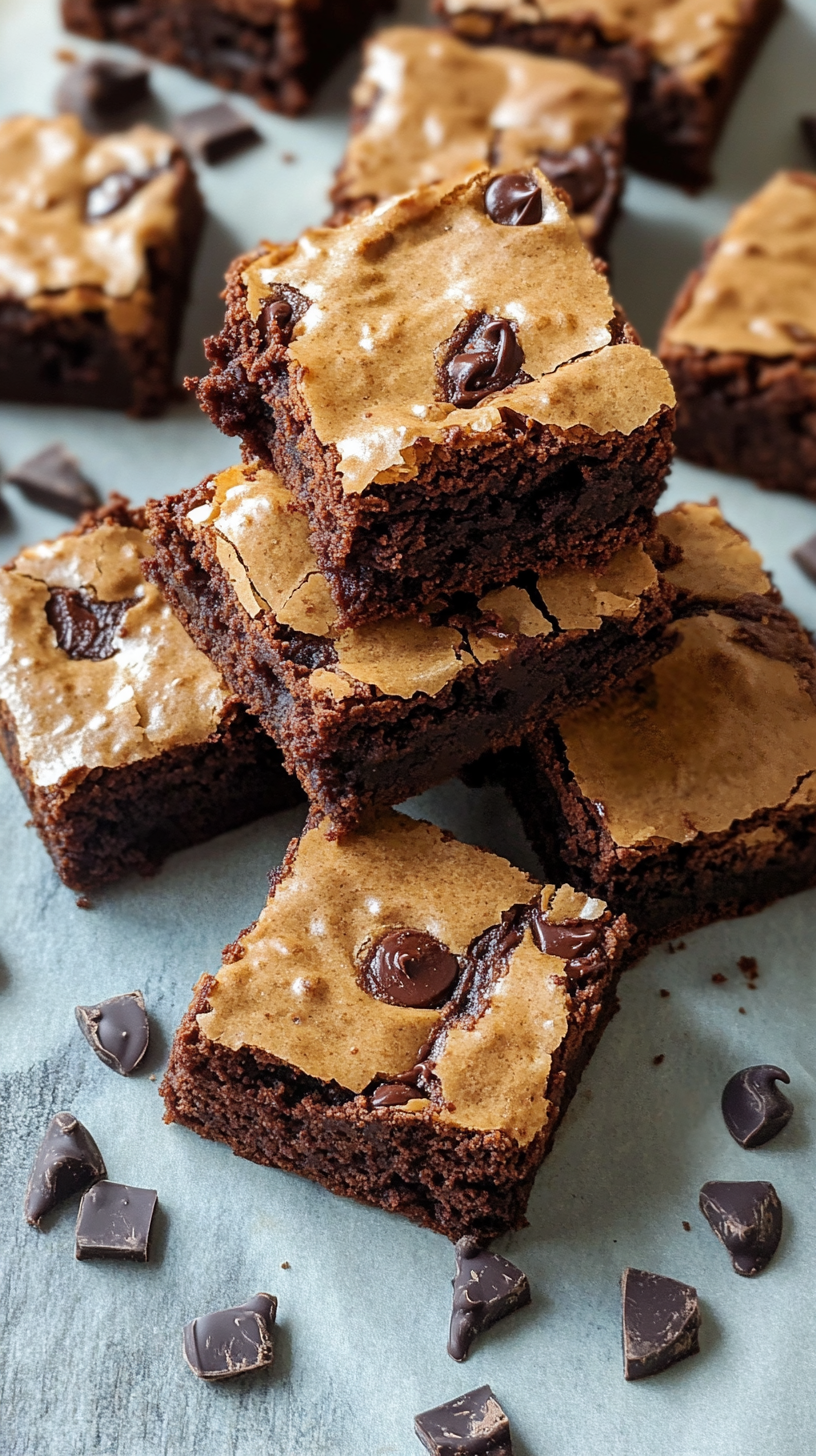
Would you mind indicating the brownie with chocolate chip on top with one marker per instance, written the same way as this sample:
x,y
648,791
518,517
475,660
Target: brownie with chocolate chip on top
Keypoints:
x,y
448,391
405,1023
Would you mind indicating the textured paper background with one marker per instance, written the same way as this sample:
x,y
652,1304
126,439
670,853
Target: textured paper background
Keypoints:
x,y
90,1356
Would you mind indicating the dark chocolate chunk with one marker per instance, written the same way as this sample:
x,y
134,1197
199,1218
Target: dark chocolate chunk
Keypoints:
x,y
747,1218
486,1287
661,1322
112,193
473,1425
808,125
53,479
394,1094
114,1222
232,1341
85,628
67,1161
99,91
580,173
278,312
514,200
490,360
569,941
805,555
410,968
118,1030
754,1108
215,132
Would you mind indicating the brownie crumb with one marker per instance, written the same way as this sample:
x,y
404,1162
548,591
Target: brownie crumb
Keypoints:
x,y
288,157
665,994
286,1264
719,979
687,1225
750,969
83,903
741,1010
656,1061
681,945
68,57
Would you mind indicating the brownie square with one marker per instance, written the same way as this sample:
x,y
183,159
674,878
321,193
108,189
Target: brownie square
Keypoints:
x,y
427,106
375,714
276,51
683,62
405,1023
122,736
690,795
447,390
97,242
740,343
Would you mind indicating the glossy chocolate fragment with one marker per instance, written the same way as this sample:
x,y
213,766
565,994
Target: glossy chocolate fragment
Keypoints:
x,y
754,1108
473,1425
410,968
112,193
747,1218
486,1287
114,1222
67,1161
581,173
85,628
53,479
118,1030
232,1341
805,555
489,361
514,200
215,132
661,1323
100,91
569,942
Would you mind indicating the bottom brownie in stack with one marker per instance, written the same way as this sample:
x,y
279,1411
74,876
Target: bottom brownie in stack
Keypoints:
x,y
405,1023
122,736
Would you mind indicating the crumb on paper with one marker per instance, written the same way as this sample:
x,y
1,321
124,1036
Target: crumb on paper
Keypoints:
x,y
750,970
656,1061
665,994
63,54
719,979
83,903
741,1010
288,157
286,1264
152,1077
672,949
687,1225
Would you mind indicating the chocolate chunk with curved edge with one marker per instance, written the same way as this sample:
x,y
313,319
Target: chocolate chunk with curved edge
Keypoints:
x,y
580,172
486,1287
85,628
490,360
473,1425
67,1161
661,1322
279,312
567,941
410,968
747,1218
393,1094
112,193
114,1222
215,132
118,1030
233,1341
53,479
99,91
514,200
753,1107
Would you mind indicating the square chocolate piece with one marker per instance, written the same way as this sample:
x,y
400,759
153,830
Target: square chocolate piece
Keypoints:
x,y
740,343
473,1425
426,106
690,795
114,1222
123,737
380,712
215,132
463,403
97,241
405,1023
100,91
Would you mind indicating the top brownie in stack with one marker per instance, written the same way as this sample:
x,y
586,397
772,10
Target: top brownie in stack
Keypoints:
x,y
427,106
447,390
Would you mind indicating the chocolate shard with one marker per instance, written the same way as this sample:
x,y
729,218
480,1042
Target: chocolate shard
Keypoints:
x,y
747,1218
99,91
67,1161
805,555
53,479
114,1222
118,1030
215,132
753,1107
661,1323
473,1425
232,1341
486,1287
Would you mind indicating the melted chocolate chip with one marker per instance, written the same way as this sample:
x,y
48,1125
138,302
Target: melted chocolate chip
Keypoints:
x,y
754,1108
67,1161
85,627
473,1425
581,173
118,1031
569,941
393,1094
114,1222
112,193
486,1287
661,1323
232,1341
747,1218
514,200
410,968
278,312
490,361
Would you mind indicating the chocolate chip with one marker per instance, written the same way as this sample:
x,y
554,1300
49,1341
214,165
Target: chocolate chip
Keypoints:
x,y
118,1030
232,1341
805,557
277,312
53,479
747,1218
85,628
112,193
490,361
486,1287
393,1094
808,125
67,1161
410,968
514,200
661,1322
567,941
754,1108
580,172
114,1222
99,91
473,1425
215,132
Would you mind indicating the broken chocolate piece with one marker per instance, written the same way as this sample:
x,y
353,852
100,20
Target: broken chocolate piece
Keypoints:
x,y
215,132
747,1218
514,200
473,1425
581,173
114,1222
393,1094
805,555
410,968
808,125
53,479
112,193
232,1341
486,1287
490,361
118,1030
754,1108
661,1322
85,628
565,941
67,1161
99,91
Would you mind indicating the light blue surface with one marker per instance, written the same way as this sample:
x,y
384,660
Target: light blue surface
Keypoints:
x,y
90,1356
